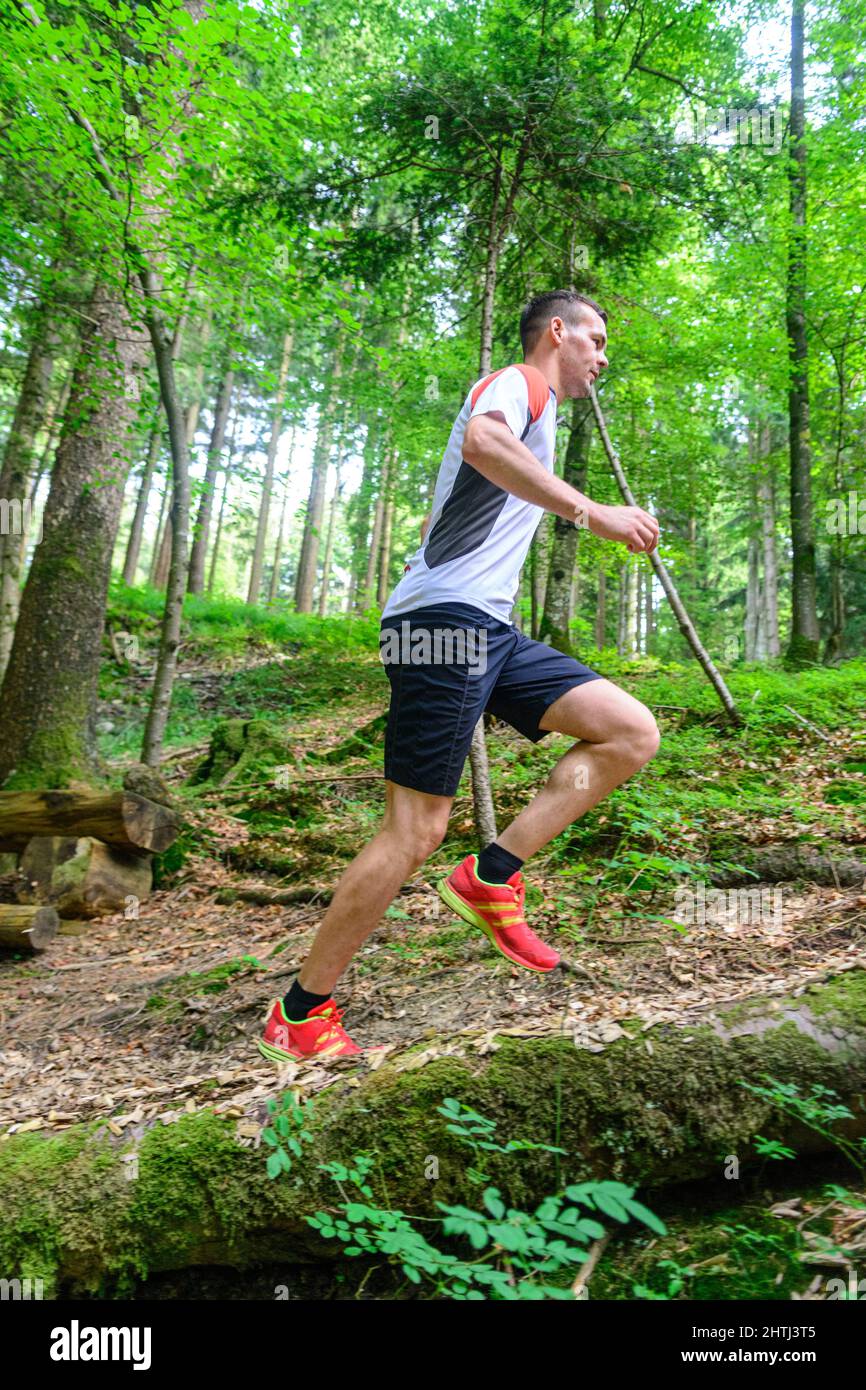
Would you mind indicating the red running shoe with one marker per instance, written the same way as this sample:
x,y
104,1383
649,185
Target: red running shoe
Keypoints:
x,y
497,908
320,1034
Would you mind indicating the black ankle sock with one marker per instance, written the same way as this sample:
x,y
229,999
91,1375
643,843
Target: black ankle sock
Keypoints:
x,y
496,865
298,1002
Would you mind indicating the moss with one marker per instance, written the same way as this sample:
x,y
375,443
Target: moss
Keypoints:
x,y
719,1251
246,750
68,1212
844,996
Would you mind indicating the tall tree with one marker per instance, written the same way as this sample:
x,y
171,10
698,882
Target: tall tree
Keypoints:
x,y
50,687
556,618
803,647
307,564
20,456
254,591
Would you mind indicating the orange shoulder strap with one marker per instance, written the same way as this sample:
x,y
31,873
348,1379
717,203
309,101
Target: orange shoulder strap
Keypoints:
x,y
539,391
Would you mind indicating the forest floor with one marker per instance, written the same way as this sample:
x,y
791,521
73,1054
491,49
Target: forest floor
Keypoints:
x,y
133,1021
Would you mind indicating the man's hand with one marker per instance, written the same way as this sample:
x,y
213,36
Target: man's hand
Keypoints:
x,y
637,530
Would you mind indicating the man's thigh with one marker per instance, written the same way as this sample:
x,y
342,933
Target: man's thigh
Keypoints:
x,y
532,679
409,812
437,697
597,712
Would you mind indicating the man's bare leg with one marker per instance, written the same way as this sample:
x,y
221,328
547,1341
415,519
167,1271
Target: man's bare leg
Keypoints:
x,y
413,827
617,736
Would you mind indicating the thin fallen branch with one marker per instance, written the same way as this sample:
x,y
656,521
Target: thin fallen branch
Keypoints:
x,y
584,1274
808,724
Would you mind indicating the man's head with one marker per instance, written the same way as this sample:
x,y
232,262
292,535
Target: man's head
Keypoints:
x,y
567,331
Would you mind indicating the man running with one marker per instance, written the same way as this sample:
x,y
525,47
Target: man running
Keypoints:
x,y
451,652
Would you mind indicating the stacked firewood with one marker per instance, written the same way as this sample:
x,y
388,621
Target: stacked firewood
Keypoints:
x,y
80,855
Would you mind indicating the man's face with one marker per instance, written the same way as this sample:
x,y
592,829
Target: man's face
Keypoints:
x,y
581,351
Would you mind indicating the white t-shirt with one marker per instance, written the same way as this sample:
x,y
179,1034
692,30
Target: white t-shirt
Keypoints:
x,y
479,534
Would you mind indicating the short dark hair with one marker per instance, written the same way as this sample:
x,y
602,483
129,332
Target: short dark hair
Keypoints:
x,y
542,308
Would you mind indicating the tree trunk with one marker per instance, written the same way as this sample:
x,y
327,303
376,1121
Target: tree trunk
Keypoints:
x,y
482,795
631,607
159,571
384,561
56,417
329,546
834,650
649,613
19,458
227,472
540,568
753,580
361,529
767,506
373,557
201,532
254,592
307,563
601,611
136,531
803,648
51,684
557,615
278,548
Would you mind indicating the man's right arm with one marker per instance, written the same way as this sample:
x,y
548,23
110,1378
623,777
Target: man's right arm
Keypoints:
x,y
497,454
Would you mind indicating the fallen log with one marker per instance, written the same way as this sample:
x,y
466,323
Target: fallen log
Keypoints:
x,y
27,928
83,878
659,1106
788,862
123,819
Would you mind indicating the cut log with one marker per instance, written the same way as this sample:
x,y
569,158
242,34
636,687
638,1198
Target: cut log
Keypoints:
x,y
83,878
123,819
27,928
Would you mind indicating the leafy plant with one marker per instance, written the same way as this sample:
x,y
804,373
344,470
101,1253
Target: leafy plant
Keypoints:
x,y
515,1255
820,1109
287,1131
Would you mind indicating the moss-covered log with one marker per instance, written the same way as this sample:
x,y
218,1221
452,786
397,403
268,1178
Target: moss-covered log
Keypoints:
x,y
27,928
656,1107
118,818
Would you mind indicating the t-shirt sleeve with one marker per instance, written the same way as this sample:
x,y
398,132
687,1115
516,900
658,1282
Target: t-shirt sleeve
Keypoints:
x,y
507,395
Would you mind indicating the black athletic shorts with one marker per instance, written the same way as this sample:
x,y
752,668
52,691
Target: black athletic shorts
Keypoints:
x,y
446,665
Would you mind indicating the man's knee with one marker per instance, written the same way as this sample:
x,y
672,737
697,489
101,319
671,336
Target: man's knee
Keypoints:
x,y
426,837
639,738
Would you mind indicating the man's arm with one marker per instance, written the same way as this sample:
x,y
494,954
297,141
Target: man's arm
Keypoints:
x,y
498,455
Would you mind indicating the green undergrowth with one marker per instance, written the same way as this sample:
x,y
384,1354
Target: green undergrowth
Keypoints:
x,y
296,718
